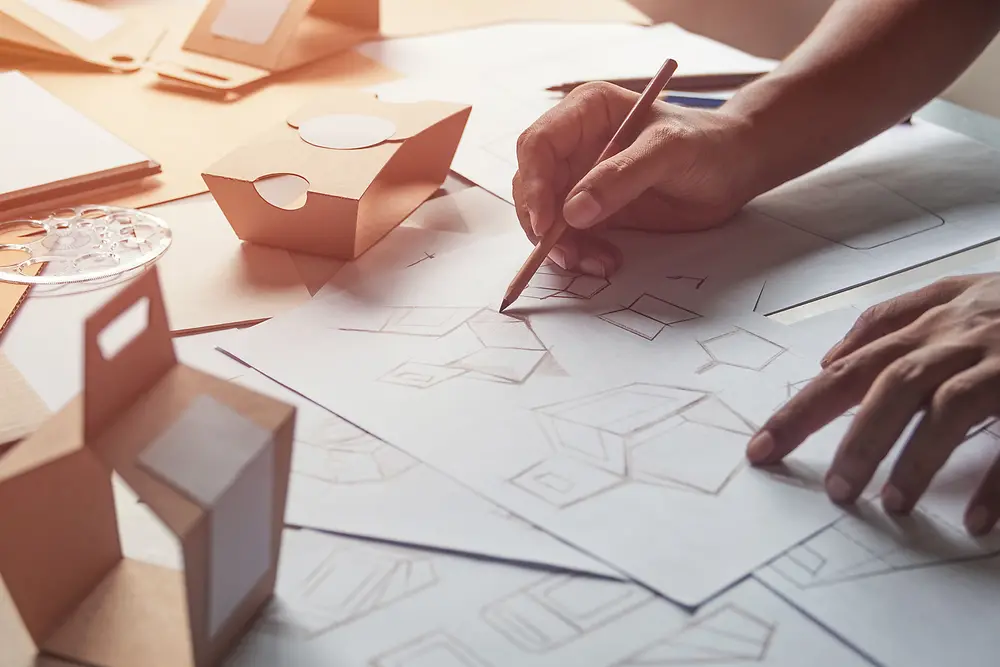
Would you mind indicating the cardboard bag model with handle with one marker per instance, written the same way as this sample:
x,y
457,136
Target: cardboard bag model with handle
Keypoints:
x,y
77,30
210,459
340,174
235,43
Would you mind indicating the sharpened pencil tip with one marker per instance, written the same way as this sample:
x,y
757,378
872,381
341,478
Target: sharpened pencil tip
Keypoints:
x,y
505,304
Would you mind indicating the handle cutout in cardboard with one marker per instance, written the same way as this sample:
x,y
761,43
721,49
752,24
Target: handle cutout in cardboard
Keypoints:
x,y
284,191
125,328
112,383
249,21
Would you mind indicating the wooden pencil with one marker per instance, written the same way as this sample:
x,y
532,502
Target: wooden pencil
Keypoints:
x,y
624,136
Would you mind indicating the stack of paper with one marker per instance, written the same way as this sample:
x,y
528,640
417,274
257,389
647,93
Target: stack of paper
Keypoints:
x,y
51,152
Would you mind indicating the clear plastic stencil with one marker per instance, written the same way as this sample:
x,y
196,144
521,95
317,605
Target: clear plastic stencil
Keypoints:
x,y
80,244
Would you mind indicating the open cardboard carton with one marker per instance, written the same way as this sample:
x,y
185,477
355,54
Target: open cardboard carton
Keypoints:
x,y
77,30
235,43
340,174
210,459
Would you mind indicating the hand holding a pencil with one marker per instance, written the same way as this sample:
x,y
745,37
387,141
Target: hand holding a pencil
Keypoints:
x,y
687,170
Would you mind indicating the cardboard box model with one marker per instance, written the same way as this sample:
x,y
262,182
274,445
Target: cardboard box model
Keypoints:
x,y
235,43
77,30
209,458
339,175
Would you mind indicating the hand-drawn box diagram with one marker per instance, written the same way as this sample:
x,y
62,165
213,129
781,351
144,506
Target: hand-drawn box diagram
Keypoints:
x,y
723,636
553,282
560,609
852,211
504,348
740,349
672,437
337,452
437,649
871,543
344,584
648,316
792,389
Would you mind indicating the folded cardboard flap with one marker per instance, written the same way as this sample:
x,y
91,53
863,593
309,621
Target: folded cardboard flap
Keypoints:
x,y
235,43
209,458
78,30
362,165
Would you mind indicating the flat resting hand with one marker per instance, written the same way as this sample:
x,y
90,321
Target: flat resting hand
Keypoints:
x,y
935,350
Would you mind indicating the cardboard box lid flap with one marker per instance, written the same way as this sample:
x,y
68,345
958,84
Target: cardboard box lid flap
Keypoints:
x,y
409,119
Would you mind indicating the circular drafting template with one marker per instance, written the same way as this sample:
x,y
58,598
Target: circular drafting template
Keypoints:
x,y
346,131
79,244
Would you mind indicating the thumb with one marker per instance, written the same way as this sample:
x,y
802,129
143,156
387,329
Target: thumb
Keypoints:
x,y
613,184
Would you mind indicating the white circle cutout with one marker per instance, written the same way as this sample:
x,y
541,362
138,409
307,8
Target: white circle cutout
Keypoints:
x,y
346,131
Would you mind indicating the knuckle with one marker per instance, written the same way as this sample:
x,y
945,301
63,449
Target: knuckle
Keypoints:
x,y
527,140
840,368
903,372
954,396
593,90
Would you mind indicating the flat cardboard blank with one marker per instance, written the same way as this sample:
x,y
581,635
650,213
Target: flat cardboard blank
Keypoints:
x,y
346,131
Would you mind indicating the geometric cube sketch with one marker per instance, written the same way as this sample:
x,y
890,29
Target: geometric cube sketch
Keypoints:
x,y
560,609
647,316
436,649
344,584
793,388
337,452
741,349
672,437
553,282
507,351
871,543
724,636
413,321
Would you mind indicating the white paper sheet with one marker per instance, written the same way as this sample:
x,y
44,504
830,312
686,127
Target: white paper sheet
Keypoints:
x,y
913,194
916,591
343,601
87,21
437,372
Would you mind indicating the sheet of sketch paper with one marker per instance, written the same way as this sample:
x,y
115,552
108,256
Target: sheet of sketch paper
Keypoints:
x,y
914,194
343,601
602,413
915,591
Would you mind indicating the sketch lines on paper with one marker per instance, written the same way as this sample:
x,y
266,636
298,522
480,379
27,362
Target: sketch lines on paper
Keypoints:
x,y
559,609
499,348
856,212
695,281
671,437
740,349
648,316
426,257
349,583
337,452
437,649
726,635
553,282
870,543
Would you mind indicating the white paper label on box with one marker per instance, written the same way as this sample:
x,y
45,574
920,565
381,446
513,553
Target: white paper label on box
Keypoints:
x,y
89,22
249,21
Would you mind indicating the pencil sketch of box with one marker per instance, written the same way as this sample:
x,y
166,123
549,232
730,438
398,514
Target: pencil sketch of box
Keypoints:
x,y
339,175
672,437
210,459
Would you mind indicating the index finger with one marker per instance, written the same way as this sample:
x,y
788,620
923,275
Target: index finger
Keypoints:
x,y
572,133
838,388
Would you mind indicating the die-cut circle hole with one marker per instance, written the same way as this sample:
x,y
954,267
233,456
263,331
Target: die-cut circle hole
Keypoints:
x,y
287,191
346,131
12,255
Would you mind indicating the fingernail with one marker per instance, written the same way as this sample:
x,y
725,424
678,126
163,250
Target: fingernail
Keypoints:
x,y
536,226
593,267
581,210
977,521
838,488
825,361
760,447
558,256
893,499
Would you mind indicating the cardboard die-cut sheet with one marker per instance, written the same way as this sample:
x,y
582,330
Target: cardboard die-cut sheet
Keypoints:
x,y
209,458
77,30
236,43
340,174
